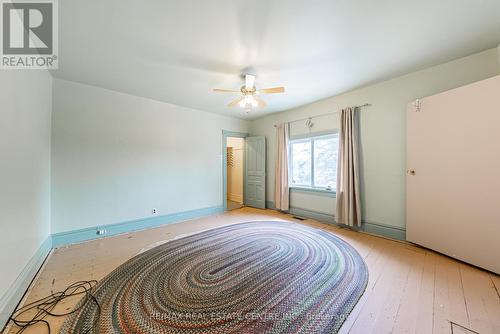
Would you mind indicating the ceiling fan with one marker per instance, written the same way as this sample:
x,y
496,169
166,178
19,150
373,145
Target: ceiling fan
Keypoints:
x,y
249,98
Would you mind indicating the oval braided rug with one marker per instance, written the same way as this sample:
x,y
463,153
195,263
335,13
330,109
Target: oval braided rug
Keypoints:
x,y
257,277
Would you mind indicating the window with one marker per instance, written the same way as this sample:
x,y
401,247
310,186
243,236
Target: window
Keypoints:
x,y
313,162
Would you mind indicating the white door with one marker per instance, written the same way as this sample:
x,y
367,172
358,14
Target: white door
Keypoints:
x,y
255,172
453,195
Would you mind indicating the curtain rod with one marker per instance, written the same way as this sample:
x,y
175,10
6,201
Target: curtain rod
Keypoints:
x,y
325,114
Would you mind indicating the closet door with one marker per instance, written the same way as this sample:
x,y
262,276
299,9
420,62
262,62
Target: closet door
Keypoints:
x,y
255,172
453,177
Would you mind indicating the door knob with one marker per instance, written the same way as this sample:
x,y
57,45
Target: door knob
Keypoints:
x,y
411,172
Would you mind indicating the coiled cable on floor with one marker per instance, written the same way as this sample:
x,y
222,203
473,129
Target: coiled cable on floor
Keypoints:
x,y
44,307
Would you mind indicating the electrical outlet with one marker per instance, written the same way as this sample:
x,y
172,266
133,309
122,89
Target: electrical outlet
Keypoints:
x,y
101,231
154,211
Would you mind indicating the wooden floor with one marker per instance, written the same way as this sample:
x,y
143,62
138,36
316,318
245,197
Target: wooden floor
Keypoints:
x,y
410,289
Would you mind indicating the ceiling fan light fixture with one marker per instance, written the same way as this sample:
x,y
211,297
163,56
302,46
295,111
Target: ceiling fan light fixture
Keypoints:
x,y
249,102
249,99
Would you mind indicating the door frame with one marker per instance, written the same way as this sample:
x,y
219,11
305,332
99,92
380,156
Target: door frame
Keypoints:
x,y
225,135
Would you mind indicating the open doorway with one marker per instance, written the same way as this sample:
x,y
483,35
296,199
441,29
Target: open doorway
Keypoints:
x,y
234,171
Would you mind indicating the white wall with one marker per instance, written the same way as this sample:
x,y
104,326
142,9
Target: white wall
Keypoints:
x,y
117,156
25,111
382,133
235,173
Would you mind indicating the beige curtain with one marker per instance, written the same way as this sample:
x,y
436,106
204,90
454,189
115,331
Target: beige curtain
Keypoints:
x,y
281,191
348,197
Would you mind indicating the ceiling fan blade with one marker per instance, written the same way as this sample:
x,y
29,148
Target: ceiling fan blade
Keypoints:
x,y
225,90
236,102
249,81
261,103
271,90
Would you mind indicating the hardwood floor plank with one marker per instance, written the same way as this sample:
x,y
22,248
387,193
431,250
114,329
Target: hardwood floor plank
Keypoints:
x,y
424,320
482,300
495,279
399,291
406,318
382,289
375,262
448,291
457,307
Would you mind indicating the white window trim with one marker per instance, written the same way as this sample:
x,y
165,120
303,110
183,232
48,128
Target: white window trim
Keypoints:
x,y
302,139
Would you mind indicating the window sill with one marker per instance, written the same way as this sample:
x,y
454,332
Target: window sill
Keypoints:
x,y
318,191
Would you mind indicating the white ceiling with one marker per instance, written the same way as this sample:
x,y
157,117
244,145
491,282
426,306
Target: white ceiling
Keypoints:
x,y
178,50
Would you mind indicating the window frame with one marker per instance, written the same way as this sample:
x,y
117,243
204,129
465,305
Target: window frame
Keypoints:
x,y
304,139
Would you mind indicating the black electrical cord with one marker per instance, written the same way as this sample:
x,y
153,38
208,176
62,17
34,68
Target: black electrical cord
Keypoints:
x,y
44,307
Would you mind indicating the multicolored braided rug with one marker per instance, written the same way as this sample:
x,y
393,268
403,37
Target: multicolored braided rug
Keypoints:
x,y
257,277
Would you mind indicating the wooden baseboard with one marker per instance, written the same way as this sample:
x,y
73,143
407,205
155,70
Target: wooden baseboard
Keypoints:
x,y
392,232
90,233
